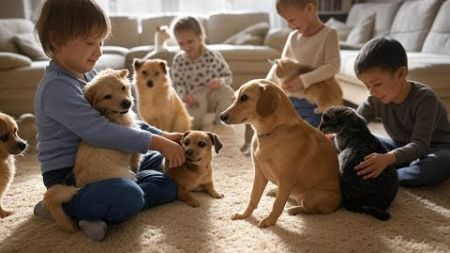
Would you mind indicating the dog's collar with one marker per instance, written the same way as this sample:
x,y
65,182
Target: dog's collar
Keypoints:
x,y
271,131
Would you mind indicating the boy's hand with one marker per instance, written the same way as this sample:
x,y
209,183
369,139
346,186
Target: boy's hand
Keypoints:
x,y
374,164
173,136
172,151
215,84
293,85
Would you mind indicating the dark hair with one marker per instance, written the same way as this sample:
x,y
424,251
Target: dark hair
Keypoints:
x,y
384,53
283,4
62,20
188,23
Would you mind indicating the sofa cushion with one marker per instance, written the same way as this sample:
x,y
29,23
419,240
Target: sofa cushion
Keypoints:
x,y
9,28
438,39
276,38
30,46
341,27
12,60
412,23
252,35
124,32
217,31
363,30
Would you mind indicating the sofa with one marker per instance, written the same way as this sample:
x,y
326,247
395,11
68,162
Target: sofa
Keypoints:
x,y
246,42
423,28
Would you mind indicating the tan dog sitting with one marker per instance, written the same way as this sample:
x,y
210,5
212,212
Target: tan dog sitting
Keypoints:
x,y
110,94
286,151
10,144
158,102
324,94
196,172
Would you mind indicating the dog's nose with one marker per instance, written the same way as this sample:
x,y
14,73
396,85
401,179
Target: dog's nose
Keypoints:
x,y
150,84
189,152
21,145
125,104
224,117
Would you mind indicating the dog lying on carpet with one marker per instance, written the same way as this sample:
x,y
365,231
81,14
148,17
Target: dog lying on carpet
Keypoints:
x,y
286,151
354,142
110,94
196,172
323,94
10,144
158,102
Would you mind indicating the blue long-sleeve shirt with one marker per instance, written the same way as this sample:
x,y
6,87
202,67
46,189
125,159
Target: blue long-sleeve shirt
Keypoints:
x,y
64,117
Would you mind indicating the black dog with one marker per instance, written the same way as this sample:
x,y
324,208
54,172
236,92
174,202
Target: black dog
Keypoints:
x,y
354,141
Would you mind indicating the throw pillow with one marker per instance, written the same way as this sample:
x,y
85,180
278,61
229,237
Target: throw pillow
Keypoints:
x,y
13,60
30,46
342,29
363,30
252,35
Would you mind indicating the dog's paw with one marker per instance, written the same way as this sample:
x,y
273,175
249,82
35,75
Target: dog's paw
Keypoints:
x,y
272,192
5,213
193,203
238,216
295,210
218,195
69,227
267,222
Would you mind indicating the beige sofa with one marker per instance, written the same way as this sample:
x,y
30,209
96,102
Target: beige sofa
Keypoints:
x,y
132,37
423,29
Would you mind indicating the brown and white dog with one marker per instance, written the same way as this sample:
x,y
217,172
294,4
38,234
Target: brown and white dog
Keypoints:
x,y
286,151
196,172
10,144
110,94
158,102
324,94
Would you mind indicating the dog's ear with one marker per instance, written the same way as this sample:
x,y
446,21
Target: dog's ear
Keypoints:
x,y
268,100
216,142
123,73
137,63
90,95
185,134
163,65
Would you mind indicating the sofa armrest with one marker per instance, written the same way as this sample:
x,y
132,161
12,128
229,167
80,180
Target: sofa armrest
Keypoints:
x,y
349,46
12,60
114,50
276,38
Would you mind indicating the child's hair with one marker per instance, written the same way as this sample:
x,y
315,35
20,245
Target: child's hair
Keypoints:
x,y
188,23
283,4
62,20
385,53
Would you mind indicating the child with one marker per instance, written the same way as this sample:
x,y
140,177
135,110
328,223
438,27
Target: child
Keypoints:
x,y
311,43
71,32
200,76
412,114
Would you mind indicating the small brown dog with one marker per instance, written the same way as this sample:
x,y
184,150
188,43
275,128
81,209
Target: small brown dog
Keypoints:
x,y
286,151
324,94
110,94
158,102
196,172
10,144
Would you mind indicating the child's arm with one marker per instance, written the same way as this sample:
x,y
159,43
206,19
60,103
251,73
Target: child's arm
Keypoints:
x,y
171,150
219,67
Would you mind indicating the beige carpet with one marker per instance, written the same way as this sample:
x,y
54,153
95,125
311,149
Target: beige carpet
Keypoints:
x,y
420,220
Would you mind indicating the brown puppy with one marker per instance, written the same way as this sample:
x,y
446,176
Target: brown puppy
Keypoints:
x,y
158,102
110,94
286,151
196,172
10,144
324,94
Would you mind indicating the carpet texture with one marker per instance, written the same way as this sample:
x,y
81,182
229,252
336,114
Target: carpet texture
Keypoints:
x,y
420,219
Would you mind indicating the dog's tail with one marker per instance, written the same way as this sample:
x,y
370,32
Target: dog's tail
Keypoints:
x,y
54,197
371,210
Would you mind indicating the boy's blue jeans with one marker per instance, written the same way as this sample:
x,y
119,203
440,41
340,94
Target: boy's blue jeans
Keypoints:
x,y
116,200
306,110
431,169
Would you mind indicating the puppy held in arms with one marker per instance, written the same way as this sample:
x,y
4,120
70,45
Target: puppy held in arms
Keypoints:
x,y
324,94
354,142
196,172
286,151
10,145
110,94
157,101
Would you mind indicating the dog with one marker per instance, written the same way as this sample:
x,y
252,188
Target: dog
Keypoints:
x,y
158,102
196,172
110,94
161,37
354,142
10,145
324,94
286,151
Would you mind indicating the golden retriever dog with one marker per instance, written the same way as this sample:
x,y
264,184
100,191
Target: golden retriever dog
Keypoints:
x,y
10,144
110,94
286,151
196,172
324,94
158,102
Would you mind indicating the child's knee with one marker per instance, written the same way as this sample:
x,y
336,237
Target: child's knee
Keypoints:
x,y
126,202
418,176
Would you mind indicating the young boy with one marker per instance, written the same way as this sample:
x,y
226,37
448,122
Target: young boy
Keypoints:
x,y
311,43
71,32
412,114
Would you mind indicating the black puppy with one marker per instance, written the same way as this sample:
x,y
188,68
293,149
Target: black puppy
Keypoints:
x,y
354,141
